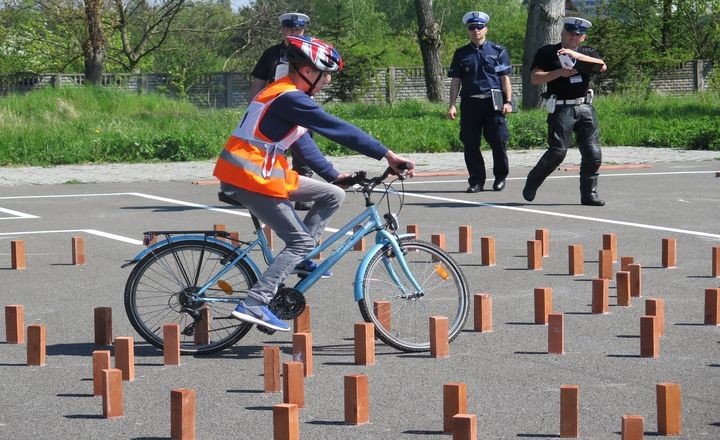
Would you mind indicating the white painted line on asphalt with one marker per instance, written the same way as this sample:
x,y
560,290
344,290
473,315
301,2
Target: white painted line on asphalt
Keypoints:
x,y
72,231
15,214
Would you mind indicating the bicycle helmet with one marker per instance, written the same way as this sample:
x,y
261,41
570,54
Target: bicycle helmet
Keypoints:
x,y
314,52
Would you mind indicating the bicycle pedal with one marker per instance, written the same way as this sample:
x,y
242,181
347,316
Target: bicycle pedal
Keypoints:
x,y
267,331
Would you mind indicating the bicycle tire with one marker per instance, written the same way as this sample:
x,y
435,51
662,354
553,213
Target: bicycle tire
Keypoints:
x,y
442,282
155,294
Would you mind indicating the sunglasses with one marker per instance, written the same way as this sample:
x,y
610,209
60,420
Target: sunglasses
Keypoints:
x,y
476,27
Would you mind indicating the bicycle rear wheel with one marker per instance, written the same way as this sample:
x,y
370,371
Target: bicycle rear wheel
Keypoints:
x,y
401,314
162,289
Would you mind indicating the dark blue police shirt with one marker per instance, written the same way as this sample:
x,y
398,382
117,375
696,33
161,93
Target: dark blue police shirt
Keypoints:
x,y
480,68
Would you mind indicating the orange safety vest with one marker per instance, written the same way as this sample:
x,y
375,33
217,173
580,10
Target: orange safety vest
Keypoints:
x,y
253,162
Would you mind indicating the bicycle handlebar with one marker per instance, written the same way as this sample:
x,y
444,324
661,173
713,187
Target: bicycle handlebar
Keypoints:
x,y
368,183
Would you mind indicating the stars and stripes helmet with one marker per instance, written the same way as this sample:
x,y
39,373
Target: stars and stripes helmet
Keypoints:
x,y
311,51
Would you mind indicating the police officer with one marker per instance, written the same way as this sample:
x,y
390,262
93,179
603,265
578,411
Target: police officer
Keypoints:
x,y
565,68
273,65
476,70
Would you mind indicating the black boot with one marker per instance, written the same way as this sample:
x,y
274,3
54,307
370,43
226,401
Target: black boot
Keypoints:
x,y
588,192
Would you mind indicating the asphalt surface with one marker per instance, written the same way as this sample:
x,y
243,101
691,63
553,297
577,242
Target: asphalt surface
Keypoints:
x,y
513,383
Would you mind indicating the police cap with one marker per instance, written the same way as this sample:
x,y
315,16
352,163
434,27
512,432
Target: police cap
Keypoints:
x,y
576,25
294,20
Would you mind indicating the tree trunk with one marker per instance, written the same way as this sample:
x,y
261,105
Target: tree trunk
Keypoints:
x,y
544,25
94,46
430,43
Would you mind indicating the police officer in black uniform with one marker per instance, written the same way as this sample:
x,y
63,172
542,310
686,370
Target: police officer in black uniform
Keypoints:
x,y
476,70
273,65
566,68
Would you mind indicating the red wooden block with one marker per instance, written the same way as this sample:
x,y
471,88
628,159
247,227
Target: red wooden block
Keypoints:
x,y
112,395
413,229
487,245
600,295
569,411
556,333
625,263
15,324
483,312
716,262
635,279
171,344
286,423
125,357
101,361
632,428
465,233
201,336
576,261
293,383
219,227
36,345
454,402
649,340
103,326
269,236
364,343
439,343
544,236
383,312
438,240
534,254
302,351
669,253
17,254
182,414
656,307
78,251
302,323
543,304
610,243
464,427
360,245
605,264
271,369
712,306
669,408
622,283
357,410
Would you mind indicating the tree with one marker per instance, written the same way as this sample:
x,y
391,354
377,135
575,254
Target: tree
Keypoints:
x,y
544,24
94,45
430,43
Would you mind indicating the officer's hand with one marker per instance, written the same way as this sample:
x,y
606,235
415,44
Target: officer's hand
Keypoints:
x,y
452,112
565,73
507,108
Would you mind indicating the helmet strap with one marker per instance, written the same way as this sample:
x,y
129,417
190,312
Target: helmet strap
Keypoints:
x,y
308,82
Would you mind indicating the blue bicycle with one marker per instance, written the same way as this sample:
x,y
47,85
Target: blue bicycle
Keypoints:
x,y
196,278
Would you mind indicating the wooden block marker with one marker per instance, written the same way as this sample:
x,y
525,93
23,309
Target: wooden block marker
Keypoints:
x,y
669,408
600,295
487,245
438,240
78,251
101,361
610,243
716,262
171,344
669,253
103,326
271,369
464,427
364,343
234,237
632,428
302,324
17,254
604,264
635,279
439,344
543,304
649,339
556,333
465,245
656,307
569,411
357,410
36,345
15,324
622,283
302,352
712,306
625,263
534,255
454,402
383,312
269,236
125,357
286,424
112,393
482,313
182,414
201,336
576,261
360,245
413,229
293,384
544,236
219,227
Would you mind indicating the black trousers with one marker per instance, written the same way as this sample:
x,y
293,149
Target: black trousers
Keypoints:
x,y
479,119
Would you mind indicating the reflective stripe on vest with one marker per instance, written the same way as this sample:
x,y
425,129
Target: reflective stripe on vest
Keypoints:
x,y
252,161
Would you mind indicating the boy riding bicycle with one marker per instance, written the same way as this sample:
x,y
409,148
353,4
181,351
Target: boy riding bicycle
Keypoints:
x,y
253,170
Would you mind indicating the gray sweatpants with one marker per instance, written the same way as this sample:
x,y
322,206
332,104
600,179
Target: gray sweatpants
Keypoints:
x,y
300,236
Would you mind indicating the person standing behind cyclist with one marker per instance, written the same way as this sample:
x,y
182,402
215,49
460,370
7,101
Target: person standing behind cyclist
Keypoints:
x,y
566,68
273,65
476,69
253,170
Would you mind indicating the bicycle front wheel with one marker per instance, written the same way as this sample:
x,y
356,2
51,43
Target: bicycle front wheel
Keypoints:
x,y
163,286
401,314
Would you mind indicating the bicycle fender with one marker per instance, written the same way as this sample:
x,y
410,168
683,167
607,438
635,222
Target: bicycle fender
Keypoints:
x,y
173,239
357,285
